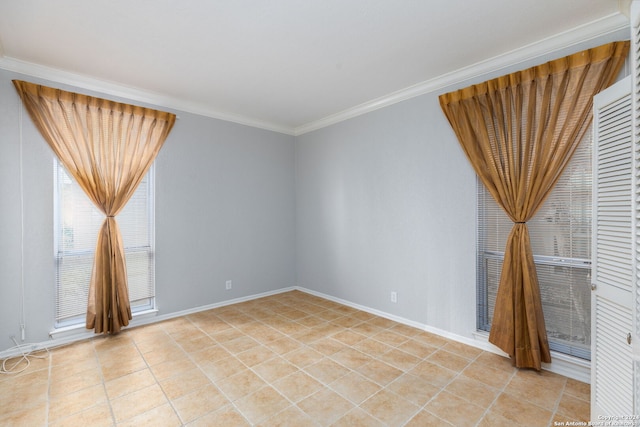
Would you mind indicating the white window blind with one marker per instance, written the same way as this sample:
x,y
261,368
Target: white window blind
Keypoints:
x,y
561,242
77,223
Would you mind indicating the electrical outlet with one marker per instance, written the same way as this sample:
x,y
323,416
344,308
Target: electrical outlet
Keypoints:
x,y
228,284
394,296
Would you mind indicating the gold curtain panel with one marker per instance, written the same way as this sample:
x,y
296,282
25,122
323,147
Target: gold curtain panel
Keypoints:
x,y
519,132
107,147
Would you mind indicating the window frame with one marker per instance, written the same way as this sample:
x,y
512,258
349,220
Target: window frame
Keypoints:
x,y
138,306
483,315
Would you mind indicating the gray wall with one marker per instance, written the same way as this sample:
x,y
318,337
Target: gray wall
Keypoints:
x,y
225,209
378,203
39,273
387,202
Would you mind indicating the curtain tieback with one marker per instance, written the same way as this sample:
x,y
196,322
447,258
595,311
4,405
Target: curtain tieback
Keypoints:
x,y
520,222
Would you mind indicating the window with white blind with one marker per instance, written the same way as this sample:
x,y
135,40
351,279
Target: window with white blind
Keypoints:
x,y
76,225
561,241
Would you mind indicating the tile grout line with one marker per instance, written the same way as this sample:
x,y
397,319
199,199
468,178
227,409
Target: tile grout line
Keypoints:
x,y
307,346
90,342
103,382
182,423
49,381
305,334
190,358
558,400
442,389
377,358
495,399
303,345
213,382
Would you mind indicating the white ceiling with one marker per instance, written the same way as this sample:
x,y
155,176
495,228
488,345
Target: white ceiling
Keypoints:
x,y
286,65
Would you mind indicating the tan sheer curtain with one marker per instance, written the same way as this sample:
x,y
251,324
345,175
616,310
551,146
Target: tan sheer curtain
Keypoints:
x,y
519,132
107,147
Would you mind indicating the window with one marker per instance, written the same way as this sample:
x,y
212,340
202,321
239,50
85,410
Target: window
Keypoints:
x,y
76,227
561,241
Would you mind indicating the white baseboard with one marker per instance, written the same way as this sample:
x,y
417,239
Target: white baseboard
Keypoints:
x,y
568,366
562,364
67,335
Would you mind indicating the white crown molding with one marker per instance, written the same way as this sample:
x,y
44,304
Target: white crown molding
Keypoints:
x,y
601,27
130,93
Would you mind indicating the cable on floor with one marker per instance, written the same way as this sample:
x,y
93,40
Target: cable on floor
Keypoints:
x,y
24,359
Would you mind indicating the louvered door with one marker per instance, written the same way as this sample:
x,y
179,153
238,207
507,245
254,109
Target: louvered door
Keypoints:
x,y
612,309
634,14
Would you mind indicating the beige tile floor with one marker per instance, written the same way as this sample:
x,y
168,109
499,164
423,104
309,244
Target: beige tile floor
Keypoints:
x,y
292,359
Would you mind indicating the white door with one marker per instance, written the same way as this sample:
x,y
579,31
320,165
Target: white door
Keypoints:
x,y
612,302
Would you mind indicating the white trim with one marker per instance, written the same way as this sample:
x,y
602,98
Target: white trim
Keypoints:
x,y
562,364
600,27
131,93
214,305
79,329
624,6
67,335
483,345
571,367
634,9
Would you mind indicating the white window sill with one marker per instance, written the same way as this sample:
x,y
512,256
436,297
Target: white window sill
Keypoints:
x,y
568,366
70,333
